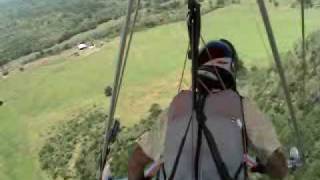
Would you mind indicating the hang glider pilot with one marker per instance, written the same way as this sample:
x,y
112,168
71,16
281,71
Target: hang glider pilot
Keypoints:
x,y
233,121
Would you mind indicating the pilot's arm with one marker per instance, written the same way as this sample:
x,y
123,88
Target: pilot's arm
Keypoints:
x,y
263,139
148,149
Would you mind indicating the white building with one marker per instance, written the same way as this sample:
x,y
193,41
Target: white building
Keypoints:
x,y
82,46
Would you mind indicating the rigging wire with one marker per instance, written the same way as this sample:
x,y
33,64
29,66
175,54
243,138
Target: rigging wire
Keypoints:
x,y
259,28
123,43
262,38
128,48
194,31
303,51
294,127
123,62
183,70
273,45
110,121
181,145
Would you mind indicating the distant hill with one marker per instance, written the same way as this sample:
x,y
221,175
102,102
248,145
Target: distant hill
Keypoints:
x,y
29,26
34,25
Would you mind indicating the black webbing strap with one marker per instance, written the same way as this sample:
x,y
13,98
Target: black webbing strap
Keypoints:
x,y
220,165
244,137
215,153
197,157
158,175
236,175
182,143
199,143
163,171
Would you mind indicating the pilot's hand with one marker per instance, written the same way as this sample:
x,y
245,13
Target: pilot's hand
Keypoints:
x,y
259,167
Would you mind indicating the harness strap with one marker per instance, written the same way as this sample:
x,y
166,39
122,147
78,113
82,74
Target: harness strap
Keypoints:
x,y
221,166
204,130
163,171
182,143
197,157
236,175
158,175
216,156
243,165
244,137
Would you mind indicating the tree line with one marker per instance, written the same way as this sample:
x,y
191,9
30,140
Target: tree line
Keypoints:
x,y
43,27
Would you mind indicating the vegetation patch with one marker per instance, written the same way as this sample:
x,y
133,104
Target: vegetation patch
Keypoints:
x,y
73,149
305,90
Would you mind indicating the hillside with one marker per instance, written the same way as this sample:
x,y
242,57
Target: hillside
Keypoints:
x,y
35,26
50,93
53,22
40,28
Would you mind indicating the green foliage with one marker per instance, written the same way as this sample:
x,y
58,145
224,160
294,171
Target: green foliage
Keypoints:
x,y
2,63
307,3
49,22
126,140
73,148
28,27
269,96
220,3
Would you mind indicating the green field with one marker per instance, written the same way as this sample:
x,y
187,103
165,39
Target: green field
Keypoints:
x,y
43,96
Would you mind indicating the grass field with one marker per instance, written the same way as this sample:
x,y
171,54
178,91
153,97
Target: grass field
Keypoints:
x,y
44,96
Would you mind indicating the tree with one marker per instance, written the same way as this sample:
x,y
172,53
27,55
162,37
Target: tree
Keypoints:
x,y
3,62
2,65
210,4
220,3
308,3
158,2
236,1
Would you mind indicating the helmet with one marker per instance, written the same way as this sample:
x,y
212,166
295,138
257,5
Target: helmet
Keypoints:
x,y
216,49
217,61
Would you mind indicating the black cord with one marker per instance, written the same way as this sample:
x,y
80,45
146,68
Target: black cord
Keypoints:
x,y
182,143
